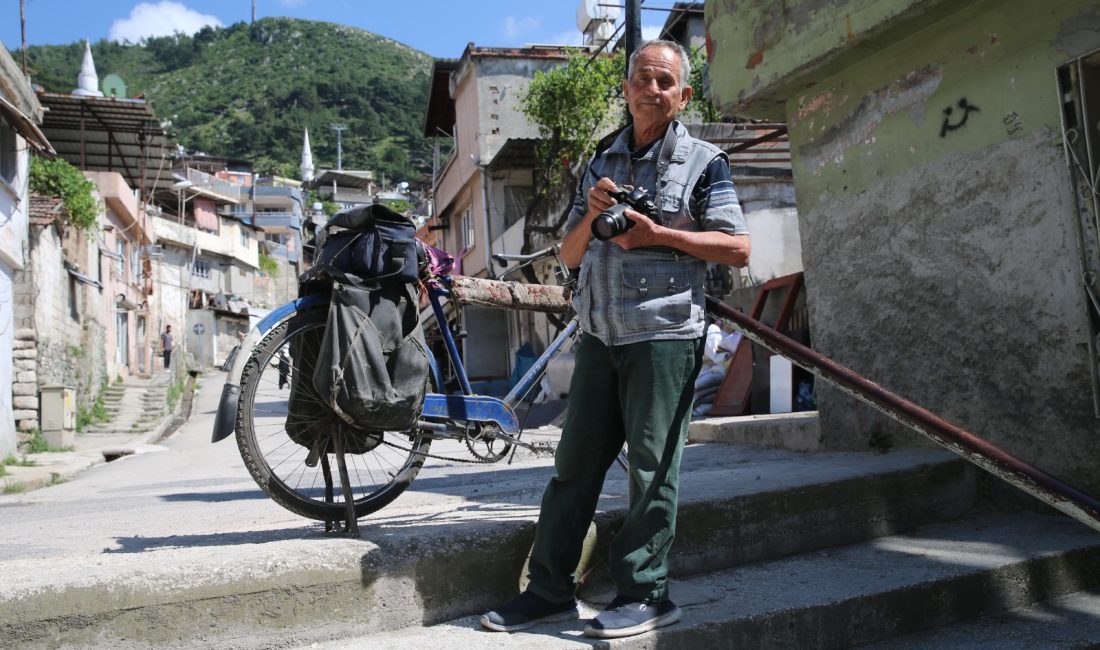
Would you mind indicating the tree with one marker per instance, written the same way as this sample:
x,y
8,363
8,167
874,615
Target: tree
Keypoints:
x,y
572,105
575,104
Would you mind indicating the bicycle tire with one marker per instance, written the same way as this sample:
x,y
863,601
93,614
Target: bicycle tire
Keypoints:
x,y
379,475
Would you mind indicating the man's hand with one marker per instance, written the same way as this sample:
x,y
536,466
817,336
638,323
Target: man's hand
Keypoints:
x,y
709,246
643,233
576,240
598,197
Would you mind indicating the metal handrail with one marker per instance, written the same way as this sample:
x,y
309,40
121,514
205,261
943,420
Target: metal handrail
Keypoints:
x,y
970,447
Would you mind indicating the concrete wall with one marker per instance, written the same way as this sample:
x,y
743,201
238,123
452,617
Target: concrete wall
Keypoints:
x,y
68,348
941,263
171,273
13,244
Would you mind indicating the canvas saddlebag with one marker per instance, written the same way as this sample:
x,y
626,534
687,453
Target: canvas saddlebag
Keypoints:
x,y
371,369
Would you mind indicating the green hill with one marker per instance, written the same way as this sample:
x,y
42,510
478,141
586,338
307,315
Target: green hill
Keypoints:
x,y
247,91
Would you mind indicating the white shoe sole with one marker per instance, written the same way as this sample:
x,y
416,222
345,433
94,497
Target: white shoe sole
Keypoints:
x,y
660,621
568,615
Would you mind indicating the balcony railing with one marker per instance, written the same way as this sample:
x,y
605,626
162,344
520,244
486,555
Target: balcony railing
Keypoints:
x,y
207,183
277,220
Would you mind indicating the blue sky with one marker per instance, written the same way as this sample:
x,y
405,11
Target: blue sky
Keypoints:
x,y
439,27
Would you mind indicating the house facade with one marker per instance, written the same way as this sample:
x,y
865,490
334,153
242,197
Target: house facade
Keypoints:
x,y
125,270
20,113
945,157
480,195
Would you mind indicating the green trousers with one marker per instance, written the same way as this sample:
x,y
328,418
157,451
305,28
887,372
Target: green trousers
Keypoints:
x,y
639,394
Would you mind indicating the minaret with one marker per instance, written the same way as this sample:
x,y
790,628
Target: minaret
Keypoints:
x,y
307,159
88,80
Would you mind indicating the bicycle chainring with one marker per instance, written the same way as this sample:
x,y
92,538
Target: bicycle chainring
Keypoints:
x,y
484,444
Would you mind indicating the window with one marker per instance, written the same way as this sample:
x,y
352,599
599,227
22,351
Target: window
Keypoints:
x,y
1079,83
9,162
74,299
135,263
201,269
467,230
120,261
244,236
516,200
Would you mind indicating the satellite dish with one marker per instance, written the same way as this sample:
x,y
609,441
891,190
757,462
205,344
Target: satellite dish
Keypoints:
x,y
113,86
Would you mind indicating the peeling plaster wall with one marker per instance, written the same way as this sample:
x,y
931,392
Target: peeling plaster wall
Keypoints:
x,y
941,262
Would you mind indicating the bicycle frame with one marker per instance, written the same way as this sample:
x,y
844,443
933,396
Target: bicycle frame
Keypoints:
x,y
442,414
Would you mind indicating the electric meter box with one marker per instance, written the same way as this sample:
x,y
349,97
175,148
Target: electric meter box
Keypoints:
x,y
57,410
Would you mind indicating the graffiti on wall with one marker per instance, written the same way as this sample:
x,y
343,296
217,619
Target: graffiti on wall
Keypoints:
x,y
1013,123
966,107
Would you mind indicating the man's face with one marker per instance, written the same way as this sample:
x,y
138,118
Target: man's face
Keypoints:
x,y
653,91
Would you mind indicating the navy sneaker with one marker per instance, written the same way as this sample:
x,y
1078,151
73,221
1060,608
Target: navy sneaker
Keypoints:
x,y
528,610
629,616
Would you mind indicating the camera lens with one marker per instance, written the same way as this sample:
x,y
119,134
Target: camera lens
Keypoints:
x,y
603,227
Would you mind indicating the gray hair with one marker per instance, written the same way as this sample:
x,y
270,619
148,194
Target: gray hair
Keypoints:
x,y
680,50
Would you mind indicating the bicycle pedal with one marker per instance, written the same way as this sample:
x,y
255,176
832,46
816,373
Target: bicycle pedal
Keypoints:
x,y
543,448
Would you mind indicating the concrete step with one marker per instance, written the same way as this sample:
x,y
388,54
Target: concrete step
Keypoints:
x,y
870,592
457,544
1066,622
795,431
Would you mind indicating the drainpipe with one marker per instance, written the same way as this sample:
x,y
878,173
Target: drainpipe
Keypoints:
x,y
485,218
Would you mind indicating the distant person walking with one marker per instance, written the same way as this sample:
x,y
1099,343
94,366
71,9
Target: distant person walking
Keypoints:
x,y
167,344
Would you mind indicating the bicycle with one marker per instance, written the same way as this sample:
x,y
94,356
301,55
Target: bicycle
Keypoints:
x,y
256,404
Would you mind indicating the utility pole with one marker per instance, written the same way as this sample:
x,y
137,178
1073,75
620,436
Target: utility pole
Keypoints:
x,y
23,33
339,128
253,11
632,36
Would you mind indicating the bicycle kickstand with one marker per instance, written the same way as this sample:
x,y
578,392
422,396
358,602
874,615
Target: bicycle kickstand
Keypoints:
x,y
352,524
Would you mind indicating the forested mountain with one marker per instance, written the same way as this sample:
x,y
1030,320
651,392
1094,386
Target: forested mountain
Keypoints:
x,y
247,91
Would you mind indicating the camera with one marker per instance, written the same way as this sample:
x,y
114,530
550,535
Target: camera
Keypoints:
x,y
613,221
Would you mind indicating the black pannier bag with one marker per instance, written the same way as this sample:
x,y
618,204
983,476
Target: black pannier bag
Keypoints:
x,y
308,421
372,366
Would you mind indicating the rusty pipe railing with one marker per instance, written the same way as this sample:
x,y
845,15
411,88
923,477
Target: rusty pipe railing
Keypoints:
x,y
982,453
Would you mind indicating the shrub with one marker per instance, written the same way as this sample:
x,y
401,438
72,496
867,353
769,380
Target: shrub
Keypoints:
x,y
59,178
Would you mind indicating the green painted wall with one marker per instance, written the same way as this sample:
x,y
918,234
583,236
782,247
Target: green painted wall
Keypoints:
x,y
940,264
884,114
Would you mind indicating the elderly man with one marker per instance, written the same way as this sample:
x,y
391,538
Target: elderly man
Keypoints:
x,y
641,306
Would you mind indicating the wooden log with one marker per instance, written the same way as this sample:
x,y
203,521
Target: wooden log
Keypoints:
x,y
505,294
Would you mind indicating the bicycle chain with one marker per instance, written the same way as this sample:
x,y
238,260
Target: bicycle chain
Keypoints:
x,y
476,461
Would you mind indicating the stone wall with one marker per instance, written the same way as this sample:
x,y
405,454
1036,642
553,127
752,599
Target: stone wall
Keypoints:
x,y
59,336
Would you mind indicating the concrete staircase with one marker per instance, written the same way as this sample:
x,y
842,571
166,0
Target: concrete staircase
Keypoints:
x,y
824,550
775,549
134,406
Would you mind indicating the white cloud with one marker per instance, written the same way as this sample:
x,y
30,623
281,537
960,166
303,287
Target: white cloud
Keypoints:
x,y
650,32
514,28
161,19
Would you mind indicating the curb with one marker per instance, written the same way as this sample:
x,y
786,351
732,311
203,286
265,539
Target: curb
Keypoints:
x,y
39,476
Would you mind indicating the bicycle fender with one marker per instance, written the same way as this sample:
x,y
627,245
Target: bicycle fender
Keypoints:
x,y
226,417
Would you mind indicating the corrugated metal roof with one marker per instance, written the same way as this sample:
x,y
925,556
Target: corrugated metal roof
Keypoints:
x,y
515,153
110,134
25,126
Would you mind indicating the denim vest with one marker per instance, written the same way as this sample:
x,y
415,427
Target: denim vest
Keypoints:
x,y
646,294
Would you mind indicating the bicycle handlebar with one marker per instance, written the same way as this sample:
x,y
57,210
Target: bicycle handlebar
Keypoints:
x,y
504,259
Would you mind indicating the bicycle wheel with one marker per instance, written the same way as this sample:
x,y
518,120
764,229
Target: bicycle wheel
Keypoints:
x,y
277,430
